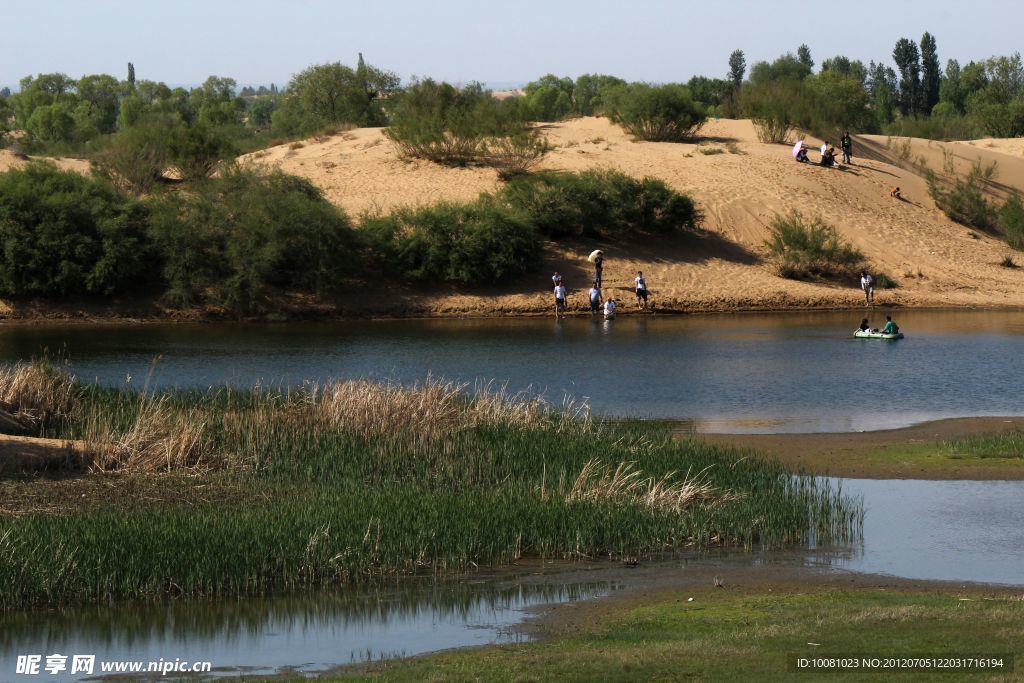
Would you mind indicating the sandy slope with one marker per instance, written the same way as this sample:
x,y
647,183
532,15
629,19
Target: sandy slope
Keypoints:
x,y
937,262
9,160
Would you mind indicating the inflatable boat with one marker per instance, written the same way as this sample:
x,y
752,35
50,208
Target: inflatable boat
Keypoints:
x,y
874,334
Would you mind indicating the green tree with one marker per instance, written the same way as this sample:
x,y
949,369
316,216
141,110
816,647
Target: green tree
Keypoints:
x,y
550,98
335,93
42,90
136,158
100,94
786,67
261,112
950,91
665,113
908,63
883,88
52,122
131,75
846,67
588,92
65,234
737,67
931,74
803,54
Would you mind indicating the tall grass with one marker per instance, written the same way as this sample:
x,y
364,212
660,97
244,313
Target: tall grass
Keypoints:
x,y
349,481
1009,445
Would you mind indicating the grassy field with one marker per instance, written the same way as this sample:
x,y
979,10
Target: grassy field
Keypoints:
x,y
744,635
225,492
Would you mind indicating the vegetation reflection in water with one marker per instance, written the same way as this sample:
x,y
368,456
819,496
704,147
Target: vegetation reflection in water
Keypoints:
x,y
387,619
240,492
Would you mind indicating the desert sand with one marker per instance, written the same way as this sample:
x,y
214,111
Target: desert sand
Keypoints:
x,y
738,182
9,160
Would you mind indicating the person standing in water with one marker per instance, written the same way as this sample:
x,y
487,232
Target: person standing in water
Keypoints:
x,y
609,309
641,289
595,299
560,293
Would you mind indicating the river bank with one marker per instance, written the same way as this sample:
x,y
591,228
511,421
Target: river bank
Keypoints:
x,y
721,621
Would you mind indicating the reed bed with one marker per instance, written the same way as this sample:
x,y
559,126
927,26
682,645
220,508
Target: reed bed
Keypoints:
x,y
1008,445
37,394
353,481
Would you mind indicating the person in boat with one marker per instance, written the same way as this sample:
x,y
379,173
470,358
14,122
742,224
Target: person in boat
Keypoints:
x,y
890,326
864,326
609,308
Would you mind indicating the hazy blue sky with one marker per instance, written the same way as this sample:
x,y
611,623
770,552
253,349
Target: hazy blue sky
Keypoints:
x,y
263,41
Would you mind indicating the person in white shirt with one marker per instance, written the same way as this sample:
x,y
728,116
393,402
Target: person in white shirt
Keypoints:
x,y
556,279
609,309
641,289
595,298
867,283
560,292
824,149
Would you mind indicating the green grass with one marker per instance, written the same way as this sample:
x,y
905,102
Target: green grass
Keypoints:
x,y
353,482
986,446
741,635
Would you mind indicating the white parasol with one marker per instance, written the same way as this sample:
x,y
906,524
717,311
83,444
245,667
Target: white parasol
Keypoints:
x,y
594,254
796,147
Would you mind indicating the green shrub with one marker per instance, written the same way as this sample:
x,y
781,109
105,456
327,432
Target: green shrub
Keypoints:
x,y
665,113
236,238
935,127
811,249
447,125
963,199
135,158
1011,221
600,203
481,242
196,151
516,155
775,109
64,234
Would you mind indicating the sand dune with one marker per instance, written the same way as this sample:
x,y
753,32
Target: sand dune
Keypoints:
x,y
740,189
9,160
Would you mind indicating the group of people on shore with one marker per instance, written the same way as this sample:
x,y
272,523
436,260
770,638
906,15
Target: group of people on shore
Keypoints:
x,y
828,152
594,296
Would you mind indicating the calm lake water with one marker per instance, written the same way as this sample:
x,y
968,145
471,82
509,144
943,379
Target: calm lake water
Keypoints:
x,y
785,372
947,530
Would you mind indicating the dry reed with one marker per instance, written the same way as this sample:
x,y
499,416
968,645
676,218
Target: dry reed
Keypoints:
x,y
36,393
159,439
597,481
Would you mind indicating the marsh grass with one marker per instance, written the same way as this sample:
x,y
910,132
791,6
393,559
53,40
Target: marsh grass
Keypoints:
x,y
354,481
1008,445
37,394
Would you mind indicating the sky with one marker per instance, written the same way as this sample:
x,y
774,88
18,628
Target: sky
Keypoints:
x,y
181,42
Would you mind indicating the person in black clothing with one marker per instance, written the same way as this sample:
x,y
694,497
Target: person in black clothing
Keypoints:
x,y
829,157
846,144
598,269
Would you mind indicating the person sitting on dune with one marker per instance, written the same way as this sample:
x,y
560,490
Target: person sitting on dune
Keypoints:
x,y
801,155
828,158
895,192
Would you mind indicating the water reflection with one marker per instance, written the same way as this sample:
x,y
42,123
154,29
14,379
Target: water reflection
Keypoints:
x,y
302,632
741,373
